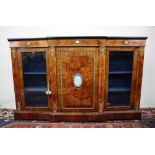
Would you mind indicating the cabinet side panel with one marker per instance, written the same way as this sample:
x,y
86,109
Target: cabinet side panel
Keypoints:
x,y
139,76
16,79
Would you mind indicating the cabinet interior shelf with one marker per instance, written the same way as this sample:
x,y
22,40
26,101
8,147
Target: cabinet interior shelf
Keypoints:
x,y
34,73
120,72
123,89
35,89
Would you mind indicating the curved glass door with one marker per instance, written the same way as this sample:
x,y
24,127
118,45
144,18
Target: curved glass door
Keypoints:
x,y
120,77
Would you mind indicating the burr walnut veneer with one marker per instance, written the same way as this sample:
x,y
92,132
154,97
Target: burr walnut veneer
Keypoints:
x,y
77,78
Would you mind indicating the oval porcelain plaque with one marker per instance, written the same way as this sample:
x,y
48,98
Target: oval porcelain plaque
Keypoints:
x,y
77,80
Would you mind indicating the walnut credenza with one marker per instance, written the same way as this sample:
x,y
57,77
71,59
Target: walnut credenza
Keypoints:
x,y
77,78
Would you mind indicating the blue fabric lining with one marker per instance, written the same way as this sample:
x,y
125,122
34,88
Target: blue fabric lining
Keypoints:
x,y
120,76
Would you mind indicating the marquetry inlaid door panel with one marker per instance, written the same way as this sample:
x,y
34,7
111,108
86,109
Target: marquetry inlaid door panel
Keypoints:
x,y
77,78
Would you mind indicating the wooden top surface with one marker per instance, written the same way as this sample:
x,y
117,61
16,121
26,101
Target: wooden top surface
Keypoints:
x,y
79,37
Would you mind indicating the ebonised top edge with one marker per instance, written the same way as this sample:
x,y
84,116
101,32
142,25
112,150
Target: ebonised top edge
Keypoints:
x,y
79,37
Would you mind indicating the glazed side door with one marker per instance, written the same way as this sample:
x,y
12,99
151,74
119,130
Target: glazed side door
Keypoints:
x,y
77,78
34,79
122,65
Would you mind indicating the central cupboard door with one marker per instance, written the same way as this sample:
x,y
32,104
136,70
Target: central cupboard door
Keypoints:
x,y
77,78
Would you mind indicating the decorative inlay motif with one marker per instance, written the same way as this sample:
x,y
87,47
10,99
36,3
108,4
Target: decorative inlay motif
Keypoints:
x,y
13,52
52,51
102,51
141,53
54,108
18,103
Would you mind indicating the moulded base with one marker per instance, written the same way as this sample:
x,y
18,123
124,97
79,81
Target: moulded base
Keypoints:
x,y
78,117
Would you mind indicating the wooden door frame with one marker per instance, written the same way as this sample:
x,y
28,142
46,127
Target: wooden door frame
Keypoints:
x,y
21,80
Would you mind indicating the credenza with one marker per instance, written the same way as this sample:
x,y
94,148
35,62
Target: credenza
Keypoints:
x,y
77,79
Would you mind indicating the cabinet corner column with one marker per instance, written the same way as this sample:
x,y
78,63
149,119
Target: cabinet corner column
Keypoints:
x,y
102,58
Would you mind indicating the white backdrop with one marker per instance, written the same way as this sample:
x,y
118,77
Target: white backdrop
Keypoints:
x,y
7,99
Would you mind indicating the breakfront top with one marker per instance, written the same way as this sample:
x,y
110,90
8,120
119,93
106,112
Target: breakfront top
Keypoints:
x,y
79,37
79,41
